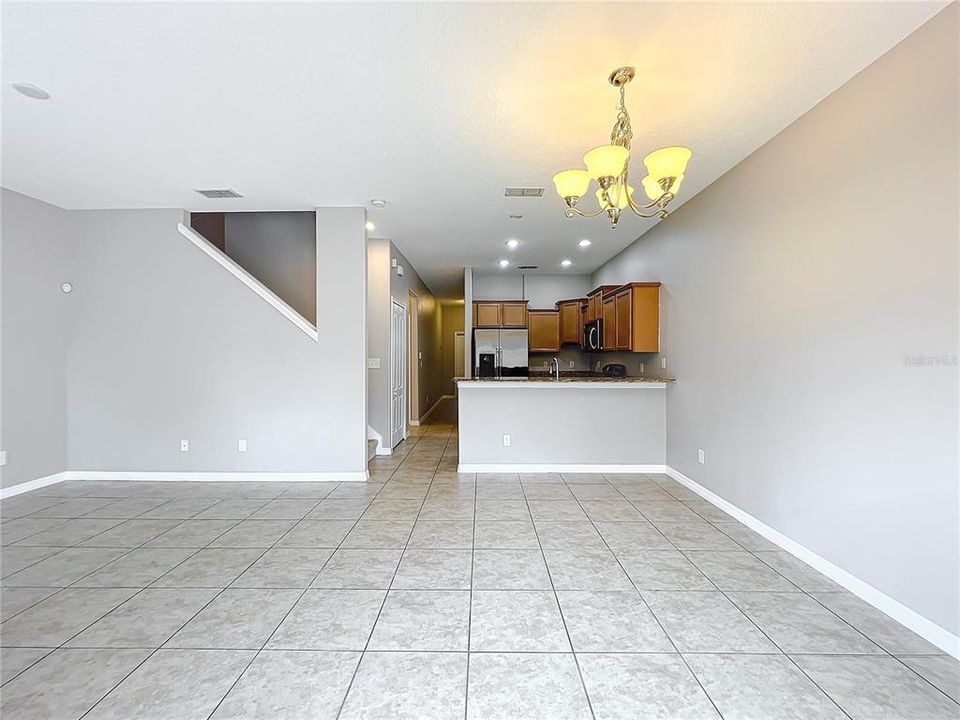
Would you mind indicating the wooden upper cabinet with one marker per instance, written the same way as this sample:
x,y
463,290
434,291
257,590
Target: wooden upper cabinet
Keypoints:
x,y
638,317
486,314
609,323
571,327
544,327
496,313
624,319
513,314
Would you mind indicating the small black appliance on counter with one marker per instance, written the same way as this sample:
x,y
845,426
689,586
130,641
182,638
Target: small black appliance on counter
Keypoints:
x,y
615,370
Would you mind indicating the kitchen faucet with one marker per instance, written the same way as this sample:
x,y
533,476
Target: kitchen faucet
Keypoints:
x,y
555,366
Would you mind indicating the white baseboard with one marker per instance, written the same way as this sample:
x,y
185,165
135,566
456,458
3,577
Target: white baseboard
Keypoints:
x,y
219,476
423,418
32,485
556,468
928,630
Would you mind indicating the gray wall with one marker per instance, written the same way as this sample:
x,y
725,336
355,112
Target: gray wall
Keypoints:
x,y
378,336
34,314
428,327
451,322
624,425
166,345
795,289
541,290
280,250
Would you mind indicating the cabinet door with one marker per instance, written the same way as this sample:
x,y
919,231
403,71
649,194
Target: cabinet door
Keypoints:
x,y
624,311
487,314
645,320
544,334
570,322
609,324
513,314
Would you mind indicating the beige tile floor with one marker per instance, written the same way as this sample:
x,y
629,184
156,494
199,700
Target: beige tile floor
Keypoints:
x,y
428,594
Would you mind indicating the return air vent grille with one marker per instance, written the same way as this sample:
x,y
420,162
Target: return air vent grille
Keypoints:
x,y
217,194
528,267
523,192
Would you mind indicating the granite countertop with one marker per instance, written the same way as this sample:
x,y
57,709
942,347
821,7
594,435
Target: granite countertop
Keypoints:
x,y
568,377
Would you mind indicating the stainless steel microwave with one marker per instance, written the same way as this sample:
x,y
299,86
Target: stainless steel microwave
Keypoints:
x,y
593,336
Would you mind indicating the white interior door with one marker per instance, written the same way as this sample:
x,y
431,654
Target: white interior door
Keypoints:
x,y
398,373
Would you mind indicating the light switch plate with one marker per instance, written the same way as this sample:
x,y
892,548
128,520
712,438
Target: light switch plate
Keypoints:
x,y
184,446
373,363
241,445
3,457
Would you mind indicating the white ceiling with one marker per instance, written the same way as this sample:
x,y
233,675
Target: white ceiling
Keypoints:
x,y
433,107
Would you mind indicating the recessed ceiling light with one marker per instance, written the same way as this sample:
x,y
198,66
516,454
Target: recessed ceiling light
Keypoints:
x,y
504,263
512,243
31,90
377,202
370,226
566,263
584,243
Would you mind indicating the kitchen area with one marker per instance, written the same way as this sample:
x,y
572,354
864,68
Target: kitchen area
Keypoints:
x,y
562,379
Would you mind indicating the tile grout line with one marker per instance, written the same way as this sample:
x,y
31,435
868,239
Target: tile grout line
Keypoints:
x,y
556,598
273,632
759,629
373,626
645,604
473,560
216,595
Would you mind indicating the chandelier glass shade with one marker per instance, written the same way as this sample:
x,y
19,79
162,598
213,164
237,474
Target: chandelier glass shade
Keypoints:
x,y
608,165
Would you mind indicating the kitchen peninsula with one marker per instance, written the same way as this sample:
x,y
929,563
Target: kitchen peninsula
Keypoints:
x,y
582,424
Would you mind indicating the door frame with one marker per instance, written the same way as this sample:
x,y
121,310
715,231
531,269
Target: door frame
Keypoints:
x,y
398,354
413,359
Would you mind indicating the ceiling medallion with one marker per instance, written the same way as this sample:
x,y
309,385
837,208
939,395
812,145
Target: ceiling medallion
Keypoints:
x,y
608,165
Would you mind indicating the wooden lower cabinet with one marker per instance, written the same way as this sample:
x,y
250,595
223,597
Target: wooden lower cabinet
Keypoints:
x,y
544,330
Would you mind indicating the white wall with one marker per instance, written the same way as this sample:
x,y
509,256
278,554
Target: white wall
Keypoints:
x,y
795,287
280,250
166,346
34,314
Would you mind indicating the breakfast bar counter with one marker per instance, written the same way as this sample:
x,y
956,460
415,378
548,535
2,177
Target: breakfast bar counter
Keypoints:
x,y
584,423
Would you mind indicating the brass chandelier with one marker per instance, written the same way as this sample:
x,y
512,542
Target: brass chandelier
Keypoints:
x,y
608,165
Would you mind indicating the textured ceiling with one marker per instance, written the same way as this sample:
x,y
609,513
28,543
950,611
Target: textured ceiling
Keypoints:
x,y
432,107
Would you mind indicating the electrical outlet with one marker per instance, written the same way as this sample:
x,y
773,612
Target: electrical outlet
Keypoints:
x,y
571,364
663,363
700,455
3,457
373,363
506,441
641,368
184,446
241,446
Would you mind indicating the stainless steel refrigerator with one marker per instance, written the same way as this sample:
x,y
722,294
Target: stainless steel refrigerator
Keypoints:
x,y
500,353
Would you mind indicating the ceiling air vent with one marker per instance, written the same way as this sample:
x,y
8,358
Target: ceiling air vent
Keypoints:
x,y
528,267
217,194
523,192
